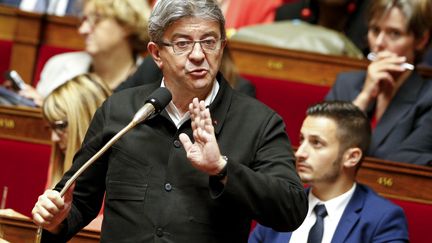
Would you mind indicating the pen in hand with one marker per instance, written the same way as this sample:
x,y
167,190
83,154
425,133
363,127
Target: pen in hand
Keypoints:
x,y
371,57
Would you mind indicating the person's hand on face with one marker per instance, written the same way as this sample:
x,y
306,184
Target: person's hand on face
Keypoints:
x,y
392,45
382,71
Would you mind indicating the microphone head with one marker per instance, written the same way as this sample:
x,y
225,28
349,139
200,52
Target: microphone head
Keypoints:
x,y
159,99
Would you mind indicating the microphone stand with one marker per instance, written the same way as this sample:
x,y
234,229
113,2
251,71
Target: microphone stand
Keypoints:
x,y
140,116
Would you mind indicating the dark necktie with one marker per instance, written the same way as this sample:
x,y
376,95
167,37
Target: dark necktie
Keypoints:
x,y
317,230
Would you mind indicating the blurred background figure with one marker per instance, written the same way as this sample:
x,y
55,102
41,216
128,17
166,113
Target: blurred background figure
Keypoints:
x,y
54,7
69,109
345,16
232,75
240,13
396,98
13,3
428,57
115,33
313,26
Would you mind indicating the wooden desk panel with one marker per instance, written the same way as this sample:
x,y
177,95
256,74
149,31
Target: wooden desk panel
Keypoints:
x,y
8,21
24,124
303,67
283,64
397,180
23,230
62,32
23,28
26,43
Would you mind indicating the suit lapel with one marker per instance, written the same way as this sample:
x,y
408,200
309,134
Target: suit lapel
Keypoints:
x,y
350,216
401,104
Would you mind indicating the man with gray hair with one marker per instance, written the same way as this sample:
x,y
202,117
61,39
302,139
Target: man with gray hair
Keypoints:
x,y
211,162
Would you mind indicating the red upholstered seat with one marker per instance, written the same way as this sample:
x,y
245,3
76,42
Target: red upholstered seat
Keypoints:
x,y
289,99
419,216
23,169
5,55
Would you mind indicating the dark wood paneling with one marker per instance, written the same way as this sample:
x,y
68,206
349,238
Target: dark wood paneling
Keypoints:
x,y
18,229
292,65
397,180
24,124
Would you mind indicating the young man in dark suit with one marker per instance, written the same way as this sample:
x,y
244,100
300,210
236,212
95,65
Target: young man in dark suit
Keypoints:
x,y
333,138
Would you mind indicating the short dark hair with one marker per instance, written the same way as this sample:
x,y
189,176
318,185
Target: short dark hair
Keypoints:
x,y
353,127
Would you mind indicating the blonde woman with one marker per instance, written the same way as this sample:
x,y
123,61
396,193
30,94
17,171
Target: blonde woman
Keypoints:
x,y
69,109
115,36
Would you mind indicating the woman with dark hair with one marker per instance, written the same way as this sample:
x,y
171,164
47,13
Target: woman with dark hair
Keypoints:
x,y
395,97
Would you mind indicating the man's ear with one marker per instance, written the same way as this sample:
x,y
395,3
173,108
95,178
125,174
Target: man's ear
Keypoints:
x,y
153,50
352,157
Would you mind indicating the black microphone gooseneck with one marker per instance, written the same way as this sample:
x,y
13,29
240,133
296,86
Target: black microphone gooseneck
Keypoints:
x,y
156,102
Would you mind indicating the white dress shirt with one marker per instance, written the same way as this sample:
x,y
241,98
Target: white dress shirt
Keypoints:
x,y
54,7
175,114
335,208
28,5
57,7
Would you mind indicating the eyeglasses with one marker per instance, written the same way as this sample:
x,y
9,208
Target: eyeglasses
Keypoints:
x,y
92,19
186,46
59,127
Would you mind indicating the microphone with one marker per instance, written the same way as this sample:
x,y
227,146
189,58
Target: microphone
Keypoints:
x,y
155,103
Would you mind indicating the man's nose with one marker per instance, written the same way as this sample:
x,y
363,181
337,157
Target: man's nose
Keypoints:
x,y
197,51
301,152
